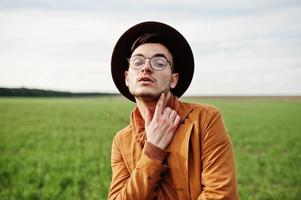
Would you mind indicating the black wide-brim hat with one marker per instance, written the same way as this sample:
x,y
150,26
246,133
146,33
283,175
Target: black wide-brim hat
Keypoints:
x,y
176,43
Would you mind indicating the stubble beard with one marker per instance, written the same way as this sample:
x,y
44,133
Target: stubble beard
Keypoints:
x,y
149,96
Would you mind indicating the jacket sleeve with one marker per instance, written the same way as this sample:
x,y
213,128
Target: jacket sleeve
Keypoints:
x,y
219,173
140,183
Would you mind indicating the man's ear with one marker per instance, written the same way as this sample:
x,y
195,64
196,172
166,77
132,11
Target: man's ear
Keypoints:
x,y
126,78
174,80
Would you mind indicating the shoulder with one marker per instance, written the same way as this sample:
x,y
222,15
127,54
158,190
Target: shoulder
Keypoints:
x,y
123,134
200,108
200,114
209,121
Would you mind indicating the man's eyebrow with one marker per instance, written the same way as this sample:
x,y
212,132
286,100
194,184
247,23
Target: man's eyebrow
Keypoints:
x,y
138,54
156,55
159,55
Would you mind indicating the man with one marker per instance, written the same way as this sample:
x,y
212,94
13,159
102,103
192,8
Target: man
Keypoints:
x,y
170,149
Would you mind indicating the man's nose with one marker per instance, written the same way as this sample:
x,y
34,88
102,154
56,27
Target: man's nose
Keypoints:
x,y
147,65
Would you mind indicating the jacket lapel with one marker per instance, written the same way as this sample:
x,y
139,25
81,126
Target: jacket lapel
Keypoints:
x,y
179,150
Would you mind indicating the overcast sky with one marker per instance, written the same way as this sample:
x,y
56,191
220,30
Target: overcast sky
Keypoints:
x,y
240,47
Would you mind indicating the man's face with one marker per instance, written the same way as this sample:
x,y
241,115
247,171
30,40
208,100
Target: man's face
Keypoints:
x,y
147,82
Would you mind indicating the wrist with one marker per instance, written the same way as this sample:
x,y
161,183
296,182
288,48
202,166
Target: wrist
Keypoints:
x,y
155,152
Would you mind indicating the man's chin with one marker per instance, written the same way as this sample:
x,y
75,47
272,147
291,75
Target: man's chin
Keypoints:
x,y
150,96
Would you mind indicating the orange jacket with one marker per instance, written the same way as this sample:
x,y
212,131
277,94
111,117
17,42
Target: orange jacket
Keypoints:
x,y
200,162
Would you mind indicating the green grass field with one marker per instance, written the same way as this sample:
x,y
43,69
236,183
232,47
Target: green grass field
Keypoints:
x,y
59,148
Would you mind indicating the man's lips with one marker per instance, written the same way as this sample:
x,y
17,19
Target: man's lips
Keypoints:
x,y
146,79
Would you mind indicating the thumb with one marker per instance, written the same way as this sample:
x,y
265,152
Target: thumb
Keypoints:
x,y
148,117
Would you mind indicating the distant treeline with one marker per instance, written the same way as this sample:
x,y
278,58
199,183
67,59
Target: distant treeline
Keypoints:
x,y
26,92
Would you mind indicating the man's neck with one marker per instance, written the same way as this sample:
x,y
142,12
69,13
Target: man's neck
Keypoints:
x,y
150,104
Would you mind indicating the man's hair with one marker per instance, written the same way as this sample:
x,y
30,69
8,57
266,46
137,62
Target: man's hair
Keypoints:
x,y
152,38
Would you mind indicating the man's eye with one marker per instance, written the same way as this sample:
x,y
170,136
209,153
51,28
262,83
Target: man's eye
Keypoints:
x,y
138,62
159,62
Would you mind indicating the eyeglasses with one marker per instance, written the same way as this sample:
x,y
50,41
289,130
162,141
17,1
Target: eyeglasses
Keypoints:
x,y
157,63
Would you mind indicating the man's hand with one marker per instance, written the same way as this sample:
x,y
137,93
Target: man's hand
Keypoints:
x,y
160,127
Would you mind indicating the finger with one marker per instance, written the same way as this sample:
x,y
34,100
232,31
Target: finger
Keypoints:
x,y
173,115
167,112
159,106
148,117
176,122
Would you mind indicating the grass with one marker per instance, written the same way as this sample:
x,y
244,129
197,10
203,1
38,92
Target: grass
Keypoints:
x,y
59,148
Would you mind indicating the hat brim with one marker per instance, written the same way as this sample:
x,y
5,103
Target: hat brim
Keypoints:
x,y
177,44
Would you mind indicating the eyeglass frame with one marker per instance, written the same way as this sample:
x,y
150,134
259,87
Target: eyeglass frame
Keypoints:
x,y
150,59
